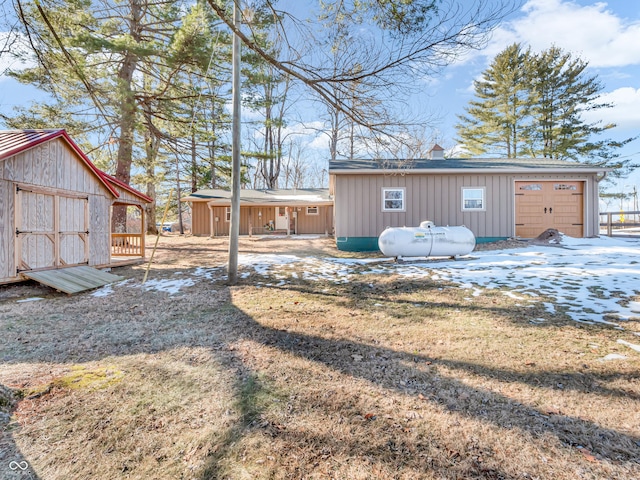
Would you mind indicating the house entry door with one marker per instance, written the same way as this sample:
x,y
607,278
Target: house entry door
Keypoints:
x,y
282,218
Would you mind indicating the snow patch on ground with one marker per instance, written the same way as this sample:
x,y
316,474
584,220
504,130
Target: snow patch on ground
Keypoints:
x,y
103,291
614,356
593,280
632,346
165,285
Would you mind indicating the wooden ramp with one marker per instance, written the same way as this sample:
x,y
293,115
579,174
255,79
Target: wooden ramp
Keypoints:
x,y
73,279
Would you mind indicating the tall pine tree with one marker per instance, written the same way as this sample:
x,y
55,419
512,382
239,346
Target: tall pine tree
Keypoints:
x,y
533,104
499,122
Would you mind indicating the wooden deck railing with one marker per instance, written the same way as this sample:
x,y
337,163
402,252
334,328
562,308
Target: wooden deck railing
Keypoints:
x,y
127,245
621,223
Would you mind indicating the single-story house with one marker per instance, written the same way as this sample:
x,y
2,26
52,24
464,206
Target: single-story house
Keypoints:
x,y
495,198
292,211
55,206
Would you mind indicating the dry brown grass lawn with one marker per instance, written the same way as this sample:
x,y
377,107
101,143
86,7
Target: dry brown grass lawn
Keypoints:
x,y
376,378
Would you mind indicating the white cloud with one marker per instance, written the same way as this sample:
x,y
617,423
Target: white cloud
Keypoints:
x,y
595,34
592,32
321,142
626,103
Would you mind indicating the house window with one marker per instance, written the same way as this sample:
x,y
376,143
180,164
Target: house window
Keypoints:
x,y
313,211
227,216
393,200
473,198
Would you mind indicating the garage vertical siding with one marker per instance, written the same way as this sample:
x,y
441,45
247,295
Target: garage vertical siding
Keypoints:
x,y
592,208
428,197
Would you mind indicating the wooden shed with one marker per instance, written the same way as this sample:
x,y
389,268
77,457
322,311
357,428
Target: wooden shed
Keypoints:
x,y
495,198
55,207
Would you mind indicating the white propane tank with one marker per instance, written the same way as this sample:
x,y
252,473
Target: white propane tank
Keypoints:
x,y
427,240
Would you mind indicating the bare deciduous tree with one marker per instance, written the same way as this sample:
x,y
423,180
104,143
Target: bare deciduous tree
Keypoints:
x,y
401,41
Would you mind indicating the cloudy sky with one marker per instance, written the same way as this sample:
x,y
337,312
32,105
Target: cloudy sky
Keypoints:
x,y
606,34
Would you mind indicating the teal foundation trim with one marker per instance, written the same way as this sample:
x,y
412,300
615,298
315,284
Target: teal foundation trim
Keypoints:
x,y
490,239
370,244
357,244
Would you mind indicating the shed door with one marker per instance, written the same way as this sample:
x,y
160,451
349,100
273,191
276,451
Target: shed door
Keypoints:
x,y
51,230
542,204
73,230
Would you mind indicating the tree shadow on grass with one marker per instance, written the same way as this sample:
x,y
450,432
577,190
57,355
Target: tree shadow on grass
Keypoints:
x,y
393,455
584,382
209,319
415,381
13,464
482,403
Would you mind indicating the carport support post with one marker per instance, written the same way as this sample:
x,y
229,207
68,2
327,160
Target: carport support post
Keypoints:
x,y
234,226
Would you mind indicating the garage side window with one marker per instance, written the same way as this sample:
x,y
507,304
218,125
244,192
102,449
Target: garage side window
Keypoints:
x,y
473,199
227,214
312,211
393,199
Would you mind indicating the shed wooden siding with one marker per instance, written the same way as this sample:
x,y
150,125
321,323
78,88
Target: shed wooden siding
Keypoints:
x,y
127,197
53,168
438,197
54,165
7,228
99,230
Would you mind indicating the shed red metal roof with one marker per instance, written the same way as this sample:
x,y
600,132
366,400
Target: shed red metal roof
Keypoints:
x,y
16,141
129,188
13,142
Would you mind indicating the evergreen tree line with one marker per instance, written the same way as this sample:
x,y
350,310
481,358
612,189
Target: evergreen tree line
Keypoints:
x,y
144,87
533,104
